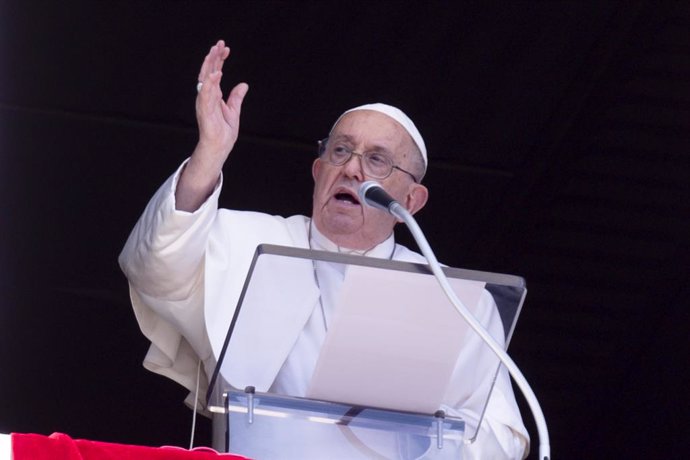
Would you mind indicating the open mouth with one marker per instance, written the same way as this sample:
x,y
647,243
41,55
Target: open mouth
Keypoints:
x,y
346,197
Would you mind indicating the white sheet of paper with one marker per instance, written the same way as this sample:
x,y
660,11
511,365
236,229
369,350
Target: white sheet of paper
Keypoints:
x,y
394,340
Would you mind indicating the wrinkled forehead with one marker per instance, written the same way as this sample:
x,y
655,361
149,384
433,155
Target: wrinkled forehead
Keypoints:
x,y
370,128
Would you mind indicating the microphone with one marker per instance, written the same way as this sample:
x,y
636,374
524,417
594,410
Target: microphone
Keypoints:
x,y
374,195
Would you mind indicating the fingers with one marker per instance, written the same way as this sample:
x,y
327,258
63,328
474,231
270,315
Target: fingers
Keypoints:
x,y
218,119
214,60
210,93
209,101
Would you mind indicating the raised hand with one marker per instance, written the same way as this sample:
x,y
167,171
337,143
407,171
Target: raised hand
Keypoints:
x,y
219,122
218,119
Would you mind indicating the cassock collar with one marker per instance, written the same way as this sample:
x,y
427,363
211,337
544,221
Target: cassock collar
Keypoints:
x,y
318,240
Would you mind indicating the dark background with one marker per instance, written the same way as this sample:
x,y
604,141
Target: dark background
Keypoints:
x,y
559,146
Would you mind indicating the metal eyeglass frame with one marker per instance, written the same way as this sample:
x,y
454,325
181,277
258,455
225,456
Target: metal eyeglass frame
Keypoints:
x,y
322,149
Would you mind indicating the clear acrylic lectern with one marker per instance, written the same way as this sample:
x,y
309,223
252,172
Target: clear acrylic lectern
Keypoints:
x,y
357,407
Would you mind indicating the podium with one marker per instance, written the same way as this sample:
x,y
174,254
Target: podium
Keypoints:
x,y
375,413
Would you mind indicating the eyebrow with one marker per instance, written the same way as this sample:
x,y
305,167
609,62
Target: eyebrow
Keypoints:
x,y
350,139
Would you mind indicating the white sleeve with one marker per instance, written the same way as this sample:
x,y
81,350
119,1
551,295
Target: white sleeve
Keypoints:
x,y
163,260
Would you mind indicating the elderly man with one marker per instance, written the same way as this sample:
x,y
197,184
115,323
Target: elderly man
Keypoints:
x,y
186,259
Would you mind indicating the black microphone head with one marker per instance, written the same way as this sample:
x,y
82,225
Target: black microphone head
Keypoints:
x,y
374,195
364,188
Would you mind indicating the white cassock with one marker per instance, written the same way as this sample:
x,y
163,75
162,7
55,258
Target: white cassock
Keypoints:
x,y
186,272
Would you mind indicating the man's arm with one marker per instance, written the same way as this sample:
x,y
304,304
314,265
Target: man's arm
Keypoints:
x,y
164,254
219,122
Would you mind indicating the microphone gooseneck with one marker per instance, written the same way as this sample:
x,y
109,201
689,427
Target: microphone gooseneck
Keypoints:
x,y
372,194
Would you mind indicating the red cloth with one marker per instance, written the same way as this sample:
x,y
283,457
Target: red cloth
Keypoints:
x,y
59,446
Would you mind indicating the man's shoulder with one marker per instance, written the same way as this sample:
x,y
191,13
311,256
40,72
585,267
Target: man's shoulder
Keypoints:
x,y
260,226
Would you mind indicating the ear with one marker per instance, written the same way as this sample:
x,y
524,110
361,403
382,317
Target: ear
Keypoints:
x,y
416,198
315,168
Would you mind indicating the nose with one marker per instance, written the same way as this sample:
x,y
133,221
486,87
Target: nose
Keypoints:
x,y
353,167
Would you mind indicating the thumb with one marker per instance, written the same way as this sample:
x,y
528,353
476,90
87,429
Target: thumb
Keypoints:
x,y
237,96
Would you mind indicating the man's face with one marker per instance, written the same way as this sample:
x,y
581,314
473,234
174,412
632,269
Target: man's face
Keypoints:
x,y
337,212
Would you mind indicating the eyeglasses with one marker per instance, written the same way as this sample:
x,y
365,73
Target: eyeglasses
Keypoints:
x,y
374,164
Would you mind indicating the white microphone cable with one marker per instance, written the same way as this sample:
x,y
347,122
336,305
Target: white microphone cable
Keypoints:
x,y
399,211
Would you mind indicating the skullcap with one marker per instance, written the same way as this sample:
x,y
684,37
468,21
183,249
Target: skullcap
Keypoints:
x,y
397,115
